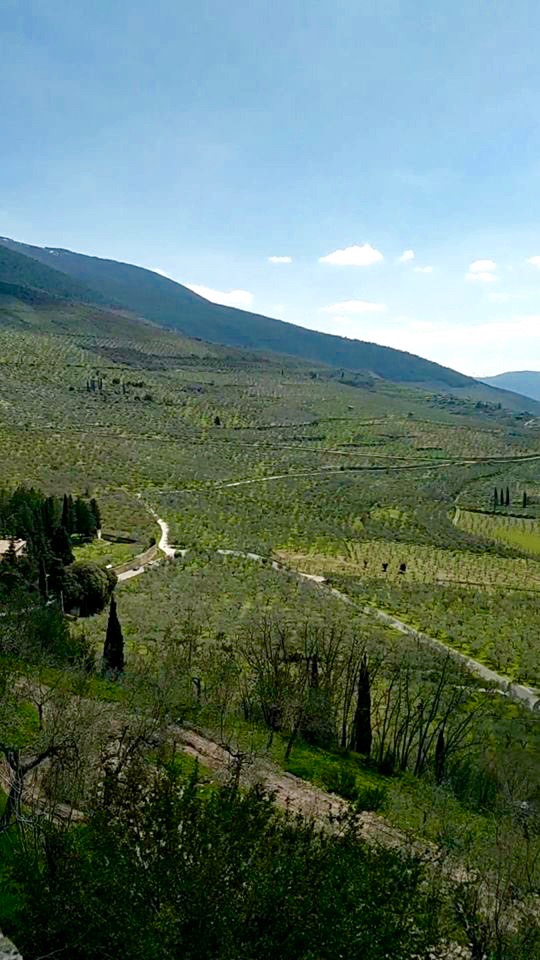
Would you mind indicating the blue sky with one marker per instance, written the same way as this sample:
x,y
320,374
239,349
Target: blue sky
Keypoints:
x,y
203,138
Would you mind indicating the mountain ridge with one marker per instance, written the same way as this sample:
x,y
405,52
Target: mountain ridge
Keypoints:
x,y
524,382
170,304
31,272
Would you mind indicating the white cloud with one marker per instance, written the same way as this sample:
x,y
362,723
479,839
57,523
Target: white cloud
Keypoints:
x,y
423,269
482,271
280,259
163,273
482,266
228,298
534,261
478,350
406,256
356,256
354,306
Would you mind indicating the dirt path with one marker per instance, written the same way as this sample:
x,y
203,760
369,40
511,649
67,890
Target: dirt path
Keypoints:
x,y
403,463
520,693
515,691
293,794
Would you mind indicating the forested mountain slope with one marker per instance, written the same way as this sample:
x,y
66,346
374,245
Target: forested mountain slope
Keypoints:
x,y
127,295
172,305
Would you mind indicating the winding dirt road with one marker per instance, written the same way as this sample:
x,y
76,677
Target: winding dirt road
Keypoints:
x,y
520,693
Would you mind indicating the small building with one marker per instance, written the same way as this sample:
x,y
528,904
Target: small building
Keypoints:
x,y
19,546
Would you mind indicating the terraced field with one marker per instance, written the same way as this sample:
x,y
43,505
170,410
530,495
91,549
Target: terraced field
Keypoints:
x,y
519,532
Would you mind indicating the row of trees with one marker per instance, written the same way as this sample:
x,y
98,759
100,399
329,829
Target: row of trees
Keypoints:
x,y
502,498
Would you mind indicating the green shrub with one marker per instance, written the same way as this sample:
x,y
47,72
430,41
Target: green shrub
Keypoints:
x,y
341,780
370,798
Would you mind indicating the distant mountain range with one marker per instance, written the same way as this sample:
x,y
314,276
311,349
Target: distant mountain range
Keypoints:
x,y
30,272
526,382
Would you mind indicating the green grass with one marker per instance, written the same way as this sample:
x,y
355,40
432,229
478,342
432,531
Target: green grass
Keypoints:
x,y
104,552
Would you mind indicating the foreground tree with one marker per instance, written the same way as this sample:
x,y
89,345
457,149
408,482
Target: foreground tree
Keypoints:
x,y
138,882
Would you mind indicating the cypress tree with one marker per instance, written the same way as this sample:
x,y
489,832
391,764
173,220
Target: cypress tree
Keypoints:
x,y
501,497
85,522
361,732
61,546
507,498
440,756
95,510
68,514
524,499
495,499
113,648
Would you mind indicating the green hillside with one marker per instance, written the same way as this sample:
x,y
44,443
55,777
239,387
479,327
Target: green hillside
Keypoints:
x,y
128,295
29,279
172,305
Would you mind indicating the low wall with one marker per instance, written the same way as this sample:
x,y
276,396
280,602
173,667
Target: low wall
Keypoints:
x,y
140,561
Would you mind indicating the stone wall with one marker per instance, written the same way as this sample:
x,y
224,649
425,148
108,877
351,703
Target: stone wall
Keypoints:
x,y
139,561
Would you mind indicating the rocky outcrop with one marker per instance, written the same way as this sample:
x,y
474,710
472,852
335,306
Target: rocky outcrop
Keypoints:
x,y
7,949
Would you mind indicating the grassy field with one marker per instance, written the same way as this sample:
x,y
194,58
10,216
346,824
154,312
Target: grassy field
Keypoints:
x,y
519,532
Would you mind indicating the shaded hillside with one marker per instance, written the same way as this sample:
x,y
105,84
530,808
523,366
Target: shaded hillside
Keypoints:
x,y
27,278
526,382
172,305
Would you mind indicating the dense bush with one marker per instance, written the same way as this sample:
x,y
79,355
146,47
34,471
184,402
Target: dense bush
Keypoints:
x,y
162,872
40,634
87,586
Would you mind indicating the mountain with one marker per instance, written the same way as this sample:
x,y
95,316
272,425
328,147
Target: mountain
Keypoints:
x,y
526,382
170,304
30,279
114,290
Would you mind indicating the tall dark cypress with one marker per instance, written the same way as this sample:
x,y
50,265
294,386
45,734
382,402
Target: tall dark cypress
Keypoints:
x,y
362,735
85,522
10,557
507,498
113,648
440,757
96,511
68,514
61,546
495,498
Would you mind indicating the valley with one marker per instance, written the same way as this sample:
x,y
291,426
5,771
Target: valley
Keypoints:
x,y
323,574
